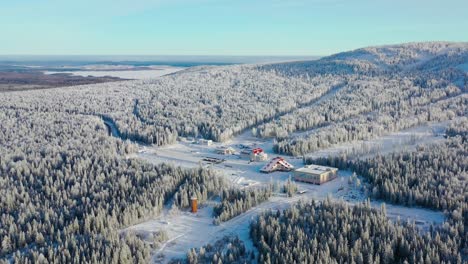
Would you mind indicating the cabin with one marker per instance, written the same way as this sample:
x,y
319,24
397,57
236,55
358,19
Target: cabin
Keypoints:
x,y
277,164
257,154
225,151
213,160
205,142
315,174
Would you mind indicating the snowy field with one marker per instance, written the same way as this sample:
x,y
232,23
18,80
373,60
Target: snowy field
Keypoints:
x,y
403,140
186,230
124,74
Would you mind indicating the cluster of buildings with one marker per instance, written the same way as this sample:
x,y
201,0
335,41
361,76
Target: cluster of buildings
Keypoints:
x,y
314,174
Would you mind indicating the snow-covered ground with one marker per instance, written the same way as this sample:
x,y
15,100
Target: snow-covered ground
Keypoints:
x,y
187,230
407,139
236,168
463,67
125,74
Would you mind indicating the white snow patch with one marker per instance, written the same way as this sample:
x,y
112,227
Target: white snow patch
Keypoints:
x,y
124,74
403,140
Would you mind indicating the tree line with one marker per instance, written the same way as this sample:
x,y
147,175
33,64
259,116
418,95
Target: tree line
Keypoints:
x,y
236,201
229,249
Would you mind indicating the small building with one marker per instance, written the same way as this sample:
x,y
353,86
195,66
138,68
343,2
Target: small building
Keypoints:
x,y
246,151
315,174
205,142
213,160
277,164
194,204
257,154
185,139
225,150
244,146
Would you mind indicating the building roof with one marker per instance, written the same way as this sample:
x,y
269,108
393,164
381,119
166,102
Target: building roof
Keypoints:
x,y
278,160
316,169
257,150
224,148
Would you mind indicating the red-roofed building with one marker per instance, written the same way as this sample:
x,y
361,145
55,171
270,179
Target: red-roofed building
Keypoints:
x,y
277,164
258,154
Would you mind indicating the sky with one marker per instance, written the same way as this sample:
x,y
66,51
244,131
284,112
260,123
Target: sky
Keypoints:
x,y
220,27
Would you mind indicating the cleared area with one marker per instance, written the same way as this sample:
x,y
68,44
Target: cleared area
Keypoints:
x,y
187,230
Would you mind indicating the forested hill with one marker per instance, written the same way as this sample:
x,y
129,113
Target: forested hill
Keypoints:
x,y
423,56
220,102
66,187
384,90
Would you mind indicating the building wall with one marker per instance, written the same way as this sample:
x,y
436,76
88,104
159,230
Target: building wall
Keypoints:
x,y
314,178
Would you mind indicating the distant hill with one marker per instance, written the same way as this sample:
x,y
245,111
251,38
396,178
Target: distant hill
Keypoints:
x,y
402,57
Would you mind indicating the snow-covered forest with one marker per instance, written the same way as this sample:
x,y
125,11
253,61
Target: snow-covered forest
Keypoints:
x,y
214,103
68,189
234,202
327,232
433,176
219,102
406,86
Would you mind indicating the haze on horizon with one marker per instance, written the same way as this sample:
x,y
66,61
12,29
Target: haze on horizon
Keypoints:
x,y
208,27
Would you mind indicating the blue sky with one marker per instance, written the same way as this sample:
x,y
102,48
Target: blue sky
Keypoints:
x,y
219,27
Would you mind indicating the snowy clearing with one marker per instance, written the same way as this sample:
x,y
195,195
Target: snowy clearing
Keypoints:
x,y
186,230
403,140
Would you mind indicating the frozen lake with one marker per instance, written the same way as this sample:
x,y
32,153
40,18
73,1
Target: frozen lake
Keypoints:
x,y
125,74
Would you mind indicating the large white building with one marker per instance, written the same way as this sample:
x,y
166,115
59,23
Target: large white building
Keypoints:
x,y
315,174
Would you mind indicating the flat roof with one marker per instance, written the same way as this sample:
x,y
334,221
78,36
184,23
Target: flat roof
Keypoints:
x,y
316,169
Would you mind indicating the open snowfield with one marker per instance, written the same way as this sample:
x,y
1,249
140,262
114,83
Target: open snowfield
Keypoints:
x,y
403,140
125,74
187,230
